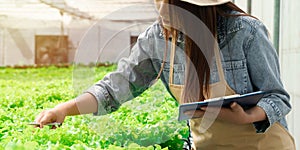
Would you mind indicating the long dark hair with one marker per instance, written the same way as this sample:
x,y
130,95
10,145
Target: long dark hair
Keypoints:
x,y
198,66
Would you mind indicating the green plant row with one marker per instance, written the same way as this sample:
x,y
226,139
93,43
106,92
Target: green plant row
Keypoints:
x,y
146,122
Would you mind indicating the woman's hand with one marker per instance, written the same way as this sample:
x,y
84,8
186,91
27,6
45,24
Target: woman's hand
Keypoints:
x,y
83,104
235,114
50,116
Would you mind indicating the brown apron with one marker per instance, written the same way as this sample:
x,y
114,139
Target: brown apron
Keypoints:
x,y
228,136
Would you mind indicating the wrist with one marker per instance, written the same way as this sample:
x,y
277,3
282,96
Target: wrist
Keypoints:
x,y
62,109
256,114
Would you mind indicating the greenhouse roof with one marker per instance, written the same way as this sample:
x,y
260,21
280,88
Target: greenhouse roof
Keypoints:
x,y
48,13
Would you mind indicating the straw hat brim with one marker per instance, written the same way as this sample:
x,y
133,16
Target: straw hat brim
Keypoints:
x,y
207,2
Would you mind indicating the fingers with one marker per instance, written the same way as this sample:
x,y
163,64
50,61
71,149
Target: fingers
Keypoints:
x,y
219,112
39,117
195,113
45,117
235,107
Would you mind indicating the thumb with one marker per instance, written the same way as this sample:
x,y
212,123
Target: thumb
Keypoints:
x,y
235,107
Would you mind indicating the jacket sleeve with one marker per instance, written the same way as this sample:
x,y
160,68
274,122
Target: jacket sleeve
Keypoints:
x,y
133,76
263,67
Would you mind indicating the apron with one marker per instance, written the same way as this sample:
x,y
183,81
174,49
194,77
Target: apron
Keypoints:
x,y
222,135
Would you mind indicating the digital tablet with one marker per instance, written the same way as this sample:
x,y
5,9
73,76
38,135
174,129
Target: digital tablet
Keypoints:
x,y
246,101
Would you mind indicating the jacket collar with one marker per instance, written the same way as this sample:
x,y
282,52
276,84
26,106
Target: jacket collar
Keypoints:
x,y
228,25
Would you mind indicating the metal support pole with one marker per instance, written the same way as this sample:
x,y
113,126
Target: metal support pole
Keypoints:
x,y
3,46
249,7
276,25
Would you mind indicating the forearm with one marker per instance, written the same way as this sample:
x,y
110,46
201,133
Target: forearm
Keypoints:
x,y
83,104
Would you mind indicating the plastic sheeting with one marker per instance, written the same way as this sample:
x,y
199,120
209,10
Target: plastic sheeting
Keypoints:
x,y
21,21
290,60
24,14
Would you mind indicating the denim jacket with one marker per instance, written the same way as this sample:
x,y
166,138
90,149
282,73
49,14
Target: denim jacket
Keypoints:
x,y
249,61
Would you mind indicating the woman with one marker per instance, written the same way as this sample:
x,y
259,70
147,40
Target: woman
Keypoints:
x,y
200,49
